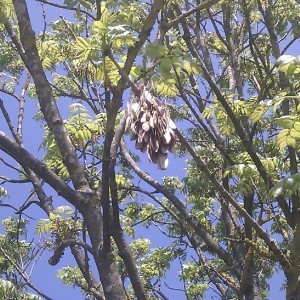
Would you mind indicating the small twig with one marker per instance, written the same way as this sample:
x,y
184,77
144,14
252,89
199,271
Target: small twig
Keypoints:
x,y
2,90
12,167
67,8
9,123
134,88
204,5
12,207
147,218
24,275
8,180
21,107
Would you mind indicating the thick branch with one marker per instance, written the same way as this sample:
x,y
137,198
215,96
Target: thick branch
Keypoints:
x,y
124,250
26,160
48,105
86,272
198,228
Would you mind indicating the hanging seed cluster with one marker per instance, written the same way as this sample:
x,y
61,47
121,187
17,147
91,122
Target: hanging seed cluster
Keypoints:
x,y
152,128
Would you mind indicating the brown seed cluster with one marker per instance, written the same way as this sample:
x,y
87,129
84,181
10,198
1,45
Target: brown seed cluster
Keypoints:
x,y
152,128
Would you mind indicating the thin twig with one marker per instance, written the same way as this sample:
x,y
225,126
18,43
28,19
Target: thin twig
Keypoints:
x,y
23,274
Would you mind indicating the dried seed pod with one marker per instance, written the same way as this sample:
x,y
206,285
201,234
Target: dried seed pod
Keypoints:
x,y
152,128
162,161
146,126
138,145
144,148
167,137
147,137
164,148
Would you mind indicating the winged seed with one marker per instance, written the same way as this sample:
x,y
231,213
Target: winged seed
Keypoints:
x,y
151,128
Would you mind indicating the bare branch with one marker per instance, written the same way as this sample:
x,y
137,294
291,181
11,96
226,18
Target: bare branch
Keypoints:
x,y
21,106
66,8
204,5
93,285
27,160
23,274
29,55
189,218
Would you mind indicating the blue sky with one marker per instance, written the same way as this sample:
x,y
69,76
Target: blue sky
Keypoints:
x,y
44,275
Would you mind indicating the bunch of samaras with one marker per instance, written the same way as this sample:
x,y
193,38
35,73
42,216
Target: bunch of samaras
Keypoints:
x,y
152,128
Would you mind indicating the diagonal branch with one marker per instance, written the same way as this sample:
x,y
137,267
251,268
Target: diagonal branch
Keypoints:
x,y
84,12
197,227
204,5
29,54
9,123
227,197
112,108
23,274
26,160
86,272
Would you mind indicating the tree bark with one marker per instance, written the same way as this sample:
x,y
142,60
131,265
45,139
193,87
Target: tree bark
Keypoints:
x,y
293,272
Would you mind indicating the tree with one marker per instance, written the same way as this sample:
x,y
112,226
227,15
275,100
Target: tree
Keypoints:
x,y
220,71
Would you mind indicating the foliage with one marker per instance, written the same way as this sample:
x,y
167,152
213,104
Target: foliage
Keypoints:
x,y
15,256
223,219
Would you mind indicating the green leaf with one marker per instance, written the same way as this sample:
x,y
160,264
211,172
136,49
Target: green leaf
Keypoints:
x,y
295,134
259,112
187,66
83,43
285,121
196,68
86,49
176,63
165,86
282,138
297,126
255,16
65,209
6,10
106,17
52,216
43,226
85,3
290,141
165,65
289,64
3,192
290,184
154,50
136,71
99,28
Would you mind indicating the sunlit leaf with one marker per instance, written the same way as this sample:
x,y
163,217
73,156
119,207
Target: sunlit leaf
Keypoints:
x,y
155,50
285,121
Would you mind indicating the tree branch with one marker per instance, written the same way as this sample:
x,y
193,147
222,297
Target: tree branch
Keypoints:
x,y
204,5
27,160
189,218
227,197
23,275
86,272
67,8
31,59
